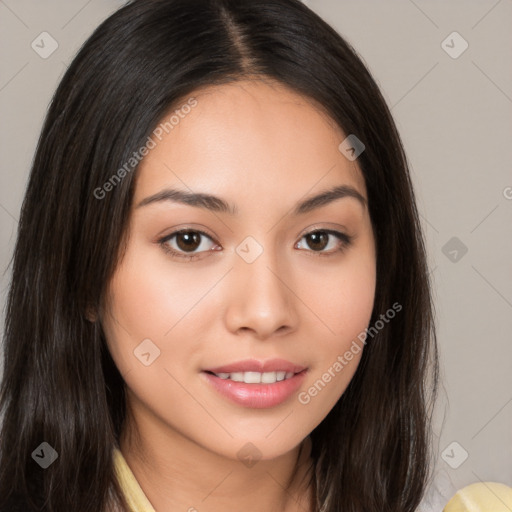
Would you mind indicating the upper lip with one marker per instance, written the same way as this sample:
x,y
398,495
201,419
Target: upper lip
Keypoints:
x,y
254,365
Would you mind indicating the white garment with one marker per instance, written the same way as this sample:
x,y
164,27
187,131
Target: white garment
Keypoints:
x,y
439,493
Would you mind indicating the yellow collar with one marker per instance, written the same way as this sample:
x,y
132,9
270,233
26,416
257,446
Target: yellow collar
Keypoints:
x,y
134,494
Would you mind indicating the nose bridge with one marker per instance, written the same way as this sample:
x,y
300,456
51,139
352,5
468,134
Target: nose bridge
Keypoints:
x,y
261,299
260,274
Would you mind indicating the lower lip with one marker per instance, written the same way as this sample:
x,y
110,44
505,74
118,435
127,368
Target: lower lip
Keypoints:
x,y
257,396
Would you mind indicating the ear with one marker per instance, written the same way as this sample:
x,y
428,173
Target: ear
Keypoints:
x,y
91,314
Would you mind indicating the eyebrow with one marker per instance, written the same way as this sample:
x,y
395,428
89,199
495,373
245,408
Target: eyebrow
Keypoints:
x,y
216,204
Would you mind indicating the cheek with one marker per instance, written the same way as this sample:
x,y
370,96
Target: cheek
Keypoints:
x,y
342,296
144,304
344,305
149,296
153,299
148,330
349,306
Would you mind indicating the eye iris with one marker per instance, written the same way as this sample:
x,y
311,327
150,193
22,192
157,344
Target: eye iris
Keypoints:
x,y
191,239
315,238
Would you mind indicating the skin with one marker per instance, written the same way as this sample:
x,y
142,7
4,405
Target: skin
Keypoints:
x,y
261,146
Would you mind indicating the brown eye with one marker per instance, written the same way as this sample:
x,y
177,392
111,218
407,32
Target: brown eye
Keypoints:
x,y
185,243
188,240
320,239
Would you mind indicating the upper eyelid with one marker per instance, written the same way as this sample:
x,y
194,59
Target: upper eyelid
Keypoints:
x,y
187,230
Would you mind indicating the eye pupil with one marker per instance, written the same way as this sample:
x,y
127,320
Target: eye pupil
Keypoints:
x,y
191,239
315,238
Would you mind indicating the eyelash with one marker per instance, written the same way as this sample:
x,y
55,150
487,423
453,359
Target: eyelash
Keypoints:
x,y
345,240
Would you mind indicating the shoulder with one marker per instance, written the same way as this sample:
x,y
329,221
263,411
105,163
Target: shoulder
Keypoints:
x,y
481,496
442,495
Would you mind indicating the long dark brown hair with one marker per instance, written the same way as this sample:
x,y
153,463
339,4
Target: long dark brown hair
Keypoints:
x,y
60,385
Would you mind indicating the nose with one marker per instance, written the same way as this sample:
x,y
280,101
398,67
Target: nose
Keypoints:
x,y
261,298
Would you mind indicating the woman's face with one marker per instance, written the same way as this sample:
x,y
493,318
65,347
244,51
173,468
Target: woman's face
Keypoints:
x,y
269,280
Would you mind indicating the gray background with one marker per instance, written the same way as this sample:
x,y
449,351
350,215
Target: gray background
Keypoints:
x,y
454,115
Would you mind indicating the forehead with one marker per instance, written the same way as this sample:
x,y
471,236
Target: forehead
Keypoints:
x,y
254,136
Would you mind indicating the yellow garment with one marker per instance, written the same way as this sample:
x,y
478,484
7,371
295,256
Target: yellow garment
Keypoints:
x,y
134,494
481,497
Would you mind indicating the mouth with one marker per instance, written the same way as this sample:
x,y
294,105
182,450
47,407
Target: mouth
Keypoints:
x,y
255,377
256,384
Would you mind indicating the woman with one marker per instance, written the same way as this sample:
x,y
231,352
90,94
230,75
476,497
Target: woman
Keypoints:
x,y
220,295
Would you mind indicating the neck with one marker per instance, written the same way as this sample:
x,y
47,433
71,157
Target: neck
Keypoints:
x,y
176,473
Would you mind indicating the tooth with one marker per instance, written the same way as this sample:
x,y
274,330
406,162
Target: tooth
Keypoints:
x,y
252,377
256,377
268,377
280,375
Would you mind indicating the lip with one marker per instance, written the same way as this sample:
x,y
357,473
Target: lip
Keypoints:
x,y
254,365
256,396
